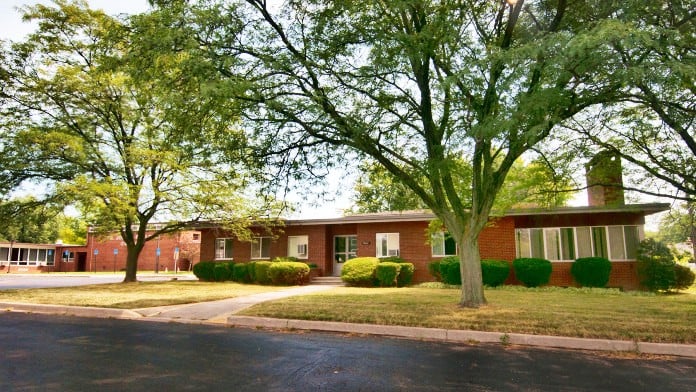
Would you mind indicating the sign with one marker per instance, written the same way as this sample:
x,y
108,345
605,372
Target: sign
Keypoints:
x,y
115,251
157,252
96,252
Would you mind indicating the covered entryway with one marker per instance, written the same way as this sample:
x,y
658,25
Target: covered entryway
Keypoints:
x,y
345,248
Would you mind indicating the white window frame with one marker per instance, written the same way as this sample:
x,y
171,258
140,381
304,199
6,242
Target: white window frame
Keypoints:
x,y
257,248
298,246
438,239
221,256
593,246
392,245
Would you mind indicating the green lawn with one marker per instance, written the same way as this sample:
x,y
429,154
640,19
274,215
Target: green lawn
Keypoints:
x,y
585,313
134,295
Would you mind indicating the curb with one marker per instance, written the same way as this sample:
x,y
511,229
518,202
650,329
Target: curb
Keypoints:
x,y
464,336
78,311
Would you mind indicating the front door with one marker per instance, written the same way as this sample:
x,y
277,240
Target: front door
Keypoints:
x,y
345,248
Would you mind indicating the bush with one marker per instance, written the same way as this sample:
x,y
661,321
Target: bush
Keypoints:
x,y
284,259
360,271
261,272
405,274
449,270
434,270
204,271
288,272
532,272
683,277
240,273
655,265
392,259
591,271
494,272
251,270
386,273
223,271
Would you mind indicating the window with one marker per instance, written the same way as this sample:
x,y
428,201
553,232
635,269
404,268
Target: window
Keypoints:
x,y
50,259
261,248
569,243
443,244
223,248
196,237
387,244
297,246
4,254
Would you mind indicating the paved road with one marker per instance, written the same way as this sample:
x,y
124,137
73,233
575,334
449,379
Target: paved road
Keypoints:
x,y
53,353
11,281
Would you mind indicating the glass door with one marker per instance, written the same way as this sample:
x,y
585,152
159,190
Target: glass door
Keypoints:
x,y
345,248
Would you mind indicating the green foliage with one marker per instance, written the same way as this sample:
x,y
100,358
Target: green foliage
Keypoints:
x,y
434,270
29,220
223,272
683,277
655,265
251,270
532,272
313,265
386,273
261,275
360,271
405,274
591,271
391,259
450,270
288,273
240,273
284,259
494,272
204,271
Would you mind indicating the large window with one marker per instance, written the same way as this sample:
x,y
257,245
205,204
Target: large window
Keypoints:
x,y
387,244
569,243
443,244
298,246
261,248
223,248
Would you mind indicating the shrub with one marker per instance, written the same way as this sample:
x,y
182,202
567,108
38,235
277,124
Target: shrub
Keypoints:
x,y
434,270
386,273
655,265
261,272
449,270
204,271
288,272
360,271
240,273
392,259
223,271
251,270
405,274
683,277
532,272
284,259
494,272
591,271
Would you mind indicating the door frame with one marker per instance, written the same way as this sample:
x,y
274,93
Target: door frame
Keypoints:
x,y
349,254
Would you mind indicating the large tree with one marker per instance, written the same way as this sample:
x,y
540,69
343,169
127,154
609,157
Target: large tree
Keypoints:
x,y
116,116
419,85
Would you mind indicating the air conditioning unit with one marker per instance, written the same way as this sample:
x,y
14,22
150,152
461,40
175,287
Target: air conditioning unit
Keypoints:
x,y
302,250
393,252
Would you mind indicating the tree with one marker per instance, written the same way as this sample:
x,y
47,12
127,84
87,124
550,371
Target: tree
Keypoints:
x,y
420,85
117,114
679,225
527,185
28,220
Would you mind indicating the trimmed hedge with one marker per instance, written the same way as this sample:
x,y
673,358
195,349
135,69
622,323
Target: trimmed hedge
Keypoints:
x,y
288,272
240,273
655,265
683,277
204,271
386,273
360,271
251,270
494,272
434,270
532,272
222,272
405,274
449,270
261,272
591,271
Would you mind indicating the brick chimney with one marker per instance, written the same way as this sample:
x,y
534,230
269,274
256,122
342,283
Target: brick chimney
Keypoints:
x,y
603,174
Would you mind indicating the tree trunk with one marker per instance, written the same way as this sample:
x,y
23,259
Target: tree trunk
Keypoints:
x,y
132,263
470,267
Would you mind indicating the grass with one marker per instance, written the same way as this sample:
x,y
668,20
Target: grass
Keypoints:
x,y
134,295
587,313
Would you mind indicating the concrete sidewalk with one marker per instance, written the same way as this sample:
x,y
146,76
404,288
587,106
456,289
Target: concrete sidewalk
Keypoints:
x,y
223,313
